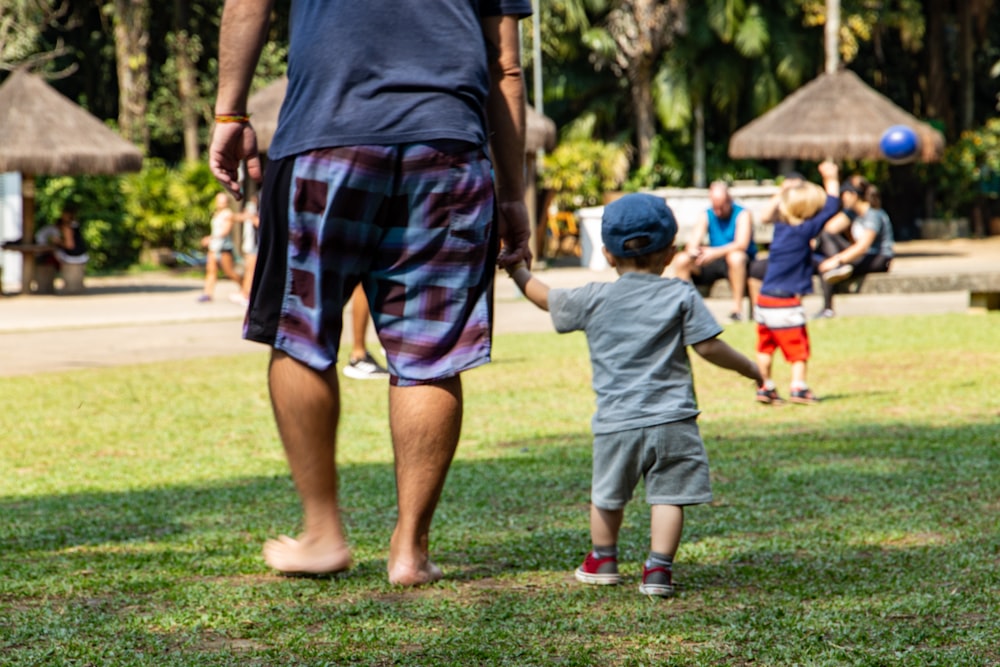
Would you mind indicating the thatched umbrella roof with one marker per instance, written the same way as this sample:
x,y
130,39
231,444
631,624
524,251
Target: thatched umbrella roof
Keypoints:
x,y
835,116
44,132
265,104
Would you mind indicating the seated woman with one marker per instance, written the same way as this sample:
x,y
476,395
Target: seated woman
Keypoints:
x,y
867,249
48,235
70,247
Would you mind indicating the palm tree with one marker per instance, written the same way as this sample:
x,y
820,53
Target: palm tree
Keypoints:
x,y
638,32
736,60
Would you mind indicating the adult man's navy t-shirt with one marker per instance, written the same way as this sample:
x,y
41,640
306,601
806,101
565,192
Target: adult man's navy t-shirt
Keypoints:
x,y
386,72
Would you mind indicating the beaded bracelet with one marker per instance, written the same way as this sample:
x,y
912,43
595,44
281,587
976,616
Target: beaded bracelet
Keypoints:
x,y
232,118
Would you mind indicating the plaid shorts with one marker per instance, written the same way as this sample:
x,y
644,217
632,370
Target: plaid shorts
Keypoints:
x,y
413,223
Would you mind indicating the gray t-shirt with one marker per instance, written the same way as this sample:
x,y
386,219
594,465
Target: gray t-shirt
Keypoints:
x,y
876,220
638,329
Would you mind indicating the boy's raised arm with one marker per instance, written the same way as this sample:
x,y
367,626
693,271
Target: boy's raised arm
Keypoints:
x,y
830,174
533,289
720,353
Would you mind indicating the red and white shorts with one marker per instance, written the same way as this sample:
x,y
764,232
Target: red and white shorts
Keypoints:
x,y
781,324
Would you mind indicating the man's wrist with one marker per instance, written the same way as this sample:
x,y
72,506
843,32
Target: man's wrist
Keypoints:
x,y
232,117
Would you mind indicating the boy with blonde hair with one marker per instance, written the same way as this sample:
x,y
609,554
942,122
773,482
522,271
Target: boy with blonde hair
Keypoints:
x,y
638,329
803,209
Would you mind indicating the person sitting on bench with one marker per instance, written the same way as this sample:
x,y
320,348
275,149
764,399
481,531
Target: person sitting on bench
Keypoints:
x,y
868,249
730,249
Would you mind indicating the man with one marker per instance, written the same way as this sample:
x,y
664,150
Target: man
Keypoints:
x,y
379,175
729,229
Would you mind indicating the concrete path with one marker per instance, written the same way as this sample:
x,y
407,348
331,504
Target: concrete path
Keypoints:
x,y
127,320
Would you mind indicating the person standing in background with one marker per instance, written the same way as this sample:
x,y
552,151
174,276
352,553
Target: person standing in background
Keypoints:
x,y
219,246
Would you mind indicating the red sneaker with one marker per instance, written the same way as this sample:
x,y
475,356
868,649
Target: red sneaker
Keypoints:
x,y
602,571
656,580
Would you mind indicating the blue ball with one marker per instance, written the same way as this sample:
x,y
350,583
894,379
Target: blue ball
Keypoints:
x,y
899,144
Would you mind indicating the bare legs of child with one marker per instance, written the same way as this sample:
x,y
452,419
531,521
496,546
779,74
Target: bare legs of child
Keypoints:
x,y
601,564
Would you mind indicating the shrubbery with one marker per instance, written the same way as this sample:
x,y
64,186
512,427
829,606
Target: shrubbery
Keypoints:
x,y
159,207
969,170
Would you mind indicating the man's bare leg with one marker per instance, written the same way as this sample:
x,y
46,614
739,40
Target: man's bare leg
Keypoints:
x,y
306,408
737,264
426,421
682,266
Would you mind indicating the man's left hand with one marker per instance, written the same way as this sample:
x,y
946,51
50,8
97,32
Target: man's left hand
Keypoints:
x,y
515,233
231,144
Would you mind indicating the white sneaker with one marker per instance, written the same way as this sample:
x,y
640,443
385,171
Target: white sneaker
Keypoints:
x,y
839,274
365,369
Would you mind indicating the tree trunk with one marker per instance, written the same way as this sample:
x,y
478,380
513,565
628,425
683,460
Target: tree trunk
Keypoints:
x,y
642,104
700,177
966,64
186,82
131,27
641,30
937,100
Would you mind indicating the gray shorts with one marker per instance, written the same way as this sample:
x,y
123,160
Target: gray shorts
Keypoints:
x,y
670,458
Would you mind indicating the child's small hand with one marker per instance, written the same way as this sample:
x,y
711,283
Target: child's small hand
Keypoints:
x,y
828,169
515,267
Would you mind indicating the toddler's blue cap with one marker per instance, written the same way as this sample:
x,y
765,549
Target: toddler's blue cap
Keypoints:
x,y
637,216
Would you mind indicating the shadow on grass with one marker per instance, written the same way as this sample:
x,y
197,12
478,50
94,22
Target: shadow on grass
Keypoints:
x,y
527,509
857,544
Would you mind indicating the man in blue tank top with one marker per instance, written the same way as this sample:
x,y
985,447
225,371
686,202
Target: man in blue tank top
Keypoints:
x,y
729,230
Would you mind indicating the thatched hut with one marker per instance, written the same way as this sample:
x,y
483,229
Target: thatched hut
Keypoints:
x,y
835,116
44,132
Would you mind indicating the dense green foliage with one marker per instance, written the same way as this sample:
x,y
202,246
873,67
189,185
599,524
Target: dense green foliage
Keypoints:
x,y
159,207
861,531
730,61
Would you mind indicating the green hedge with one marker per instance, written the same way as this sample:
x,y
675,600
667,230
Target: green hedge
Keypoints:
x,y
158,207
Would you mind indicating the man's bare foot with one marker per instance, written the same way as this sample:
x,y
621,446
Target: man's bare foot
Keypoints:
x,y
411,574
306,556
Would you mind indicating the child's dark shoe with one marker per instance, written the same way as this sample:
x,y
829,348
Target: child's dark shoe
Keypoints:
x,y
769,397
803,396
656,581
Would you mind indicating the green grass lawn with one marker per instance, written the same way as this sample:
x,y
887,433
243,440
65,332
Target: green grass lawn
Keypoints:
x,y
862,531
